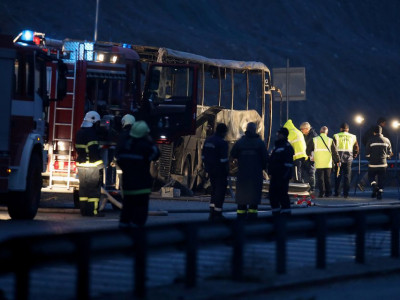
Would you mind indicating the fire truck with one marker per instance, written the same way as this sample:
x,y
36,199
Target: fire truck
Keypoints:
x,y
109,78
30,79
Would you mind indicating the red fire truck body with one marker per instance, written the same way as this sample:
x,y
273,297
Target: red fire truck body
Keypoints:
x,y
107,78
27,75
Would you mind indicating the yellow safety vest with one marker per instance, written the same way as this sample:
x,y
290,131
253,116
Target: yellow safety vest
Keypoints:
x,y
345,141
296,139
322,154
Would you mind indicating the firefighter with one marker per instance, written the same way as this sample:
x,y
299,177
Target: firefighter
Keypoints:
x,y
134,156
280,171
325,155
252,156
89,165
127,122
347,146
296,139
216,163
378,150
308,167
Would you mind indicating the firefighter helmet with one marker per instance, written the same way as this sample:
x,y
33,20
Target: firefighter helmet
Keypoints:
x,y
139,129
90,118
127,120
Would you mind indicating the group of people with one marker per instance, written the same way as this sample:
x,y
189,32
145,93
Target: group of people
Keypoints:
x,y
316,156
134,152
252,158
301,154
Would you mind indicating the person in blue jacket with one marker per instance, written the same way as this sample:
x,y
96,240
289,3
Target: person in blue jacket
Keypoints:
x,y
252,156
216,163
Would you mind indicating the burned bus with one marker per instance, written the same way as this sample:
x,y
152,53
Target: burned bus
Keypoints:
x,y
230,92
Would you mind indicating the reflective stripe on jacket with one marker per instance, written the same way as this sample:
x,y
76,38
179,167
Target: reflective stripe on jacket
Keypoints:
x,y
345,141
296,139
322,153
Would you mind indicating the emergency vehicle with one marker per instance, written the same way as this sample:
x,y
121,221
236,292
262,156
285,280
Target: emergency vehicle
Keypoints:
x,y
30,79
108,78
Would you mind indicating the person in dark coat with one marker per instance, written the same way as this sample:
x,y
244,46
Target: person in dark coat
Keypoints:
x,y
280,171
252,157
90,165
216,162
308,167
378,150
133,157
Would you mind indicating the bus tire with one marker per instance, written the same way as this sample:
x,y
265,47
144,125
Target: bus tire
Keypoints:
x,y
24,205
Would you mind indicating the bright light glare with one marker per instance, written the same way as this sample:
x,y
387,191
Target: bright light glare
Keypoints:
x,y
114,59
27,35
100,57
395,124
163,137
359,119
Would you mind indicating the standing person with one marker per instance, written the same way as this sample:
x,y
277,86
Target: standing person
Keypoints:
x,y
296,139
127,122
216,163
252,156
134,156
89,165
347,147
325,154
308,168
377,151
370,132
368,135
280,171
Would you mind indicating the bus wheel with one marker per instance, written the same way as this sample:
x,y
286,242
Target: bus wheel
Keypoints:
x,y
24,205
187,174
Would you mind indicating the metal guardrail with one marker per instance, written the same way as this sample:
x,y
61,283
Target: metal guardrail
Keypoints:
x,y
21,255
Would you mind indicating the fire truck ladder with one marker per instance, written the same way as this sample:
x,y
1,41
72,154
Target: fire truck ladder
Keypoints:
x,y
61,154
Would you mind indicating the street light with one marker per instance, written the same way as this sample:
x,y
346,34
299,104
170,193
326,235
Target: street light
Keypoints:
x,y
359,119
395,126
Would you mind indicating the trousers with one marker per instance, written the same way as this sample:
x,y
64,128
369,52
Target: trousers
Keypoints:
x,y
89,190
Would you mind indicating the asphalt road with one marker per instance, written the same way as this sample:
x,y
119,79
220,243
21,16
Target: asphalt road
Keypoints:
x,y
57,213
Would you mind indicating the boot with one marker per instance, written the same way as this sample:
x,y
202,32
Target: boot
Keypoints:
x,y
217,216
374,189
379,194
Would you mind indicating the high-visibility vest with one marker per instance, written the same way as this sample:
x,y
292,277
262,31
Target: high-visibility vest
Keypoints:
x,y
322,153
345,141
296,139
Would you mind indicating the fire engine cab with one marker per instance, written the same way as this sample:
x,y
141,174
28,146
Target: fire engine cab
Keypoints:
x,y
30,79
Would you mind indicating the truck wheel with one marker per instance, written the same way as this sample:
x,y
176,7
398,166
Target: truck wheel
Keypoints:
x,y
24,205
187,173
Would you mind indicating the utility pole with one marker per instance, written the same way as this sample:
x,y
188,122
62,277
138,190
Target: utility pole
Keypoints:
x,y
97,19
287,89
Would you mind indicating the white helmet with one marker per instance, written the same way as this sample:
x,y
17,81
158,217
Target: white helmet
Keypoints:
x,y
127,120
90,118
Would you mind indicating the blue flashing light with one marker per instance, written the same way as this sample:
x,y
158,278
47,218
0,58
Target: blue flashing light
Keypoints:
x,y
126,46
27,35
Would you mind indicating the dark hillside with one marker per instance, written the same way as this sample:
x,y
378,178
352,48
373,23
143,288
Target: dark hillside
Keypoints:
x,y
350,49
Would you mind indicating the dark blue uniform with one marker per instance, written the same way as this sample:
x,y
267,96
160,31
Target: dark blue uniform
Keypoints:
x,y
134,156
216,163
280,172
89,165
